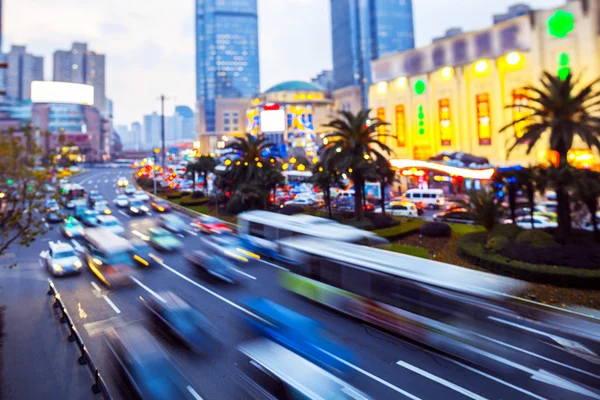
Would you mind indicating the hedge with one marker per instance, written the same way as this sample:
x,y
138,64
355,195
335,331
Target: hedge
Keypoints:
x,y
189,201
407,227
472,248
410,250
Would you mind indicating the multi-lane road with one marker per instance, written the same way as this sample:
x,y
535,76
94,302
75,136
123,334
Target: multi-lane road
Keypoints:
x,y
534,364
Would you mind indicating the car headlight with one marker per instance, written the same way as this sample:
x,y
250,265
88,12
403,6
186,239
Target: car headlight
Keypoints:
x,y
77,264
56,267
69,234
133,209
144,208
107,211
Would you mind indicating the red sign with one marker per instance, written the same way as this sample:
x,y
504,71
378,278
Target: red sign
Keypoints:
x,y
445,122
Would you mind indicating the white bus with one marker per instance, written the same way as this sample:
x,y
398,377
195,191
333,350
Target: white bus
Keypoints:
x,y
261,230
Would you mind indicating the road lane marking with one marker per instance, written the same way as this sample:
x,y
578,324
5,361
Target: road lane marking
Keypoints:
x,y
194,393
149,213
111,304
441,381
46,225
96,287
146,288
374,377
245,274
274,265
181,235
82,313
140,235
123,213
191,232
540,356
76,243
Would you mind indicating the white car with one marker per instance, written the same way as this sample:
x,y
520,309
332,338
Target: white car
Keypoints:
x,y
539,222
299,202
401,209
111,223
141,195
121,201
60,259
129,190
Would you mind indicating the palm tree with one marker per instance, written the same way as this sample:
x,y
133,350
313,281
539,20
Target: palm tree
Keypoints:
x,y
354,140
586,189
206,165
562,110
325,177
484,207
525,180
251,160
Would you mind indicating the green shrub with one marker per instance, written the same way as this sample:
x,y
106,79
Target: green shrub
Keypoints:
x,y
198,194
173,195
190,201
497,243
535,238
410,250
436,229
365,224
186,192
382,221
509,231
406,227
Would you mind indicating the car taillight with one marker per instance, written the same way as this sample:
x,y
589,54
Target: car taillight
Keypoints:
x,y
437,201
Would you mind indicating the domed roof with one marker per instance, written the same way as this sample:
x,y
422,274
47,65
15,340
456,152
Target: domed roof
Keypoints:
x,y
297,86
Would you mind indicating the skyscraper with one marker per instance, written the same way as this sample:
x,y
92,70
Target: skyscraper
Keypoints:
x,y
152,131
226,54
365,30
79,65
23,68
187,122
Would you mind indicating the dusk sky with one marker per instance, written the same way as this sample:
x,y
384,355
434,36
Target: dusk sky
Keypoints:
x,y
150,48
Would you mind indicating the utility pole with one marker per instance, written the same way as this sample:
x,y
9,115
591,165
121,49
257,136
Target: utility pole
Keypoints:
x,y
162,131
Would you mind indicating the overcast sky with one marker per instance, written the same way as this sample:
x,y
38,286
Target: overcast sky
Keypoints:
x,y
150,49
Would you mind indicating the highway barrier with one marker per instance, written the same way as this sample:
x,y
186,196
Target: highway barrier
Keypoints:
x,y
99,385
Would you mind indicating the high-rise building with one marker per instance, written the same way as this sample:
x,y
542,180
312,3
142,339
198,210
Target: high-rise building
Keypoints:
x,y
23,68
365,30
187,122
136,135
152,129
325,80
80,65
226,54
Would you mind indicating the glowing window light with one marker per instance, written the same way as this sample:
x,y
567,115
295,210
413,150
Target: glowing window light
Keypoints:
x,y
513,58
481,66
401,82
420,86
446,72
382,87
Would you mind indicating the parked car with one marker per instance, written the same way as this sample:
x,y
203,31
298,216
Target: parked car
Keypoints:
x,y
300,202
431,198
121,201
457,216
112,224
183,321
539,222
60,259
400,209
143,196
161,206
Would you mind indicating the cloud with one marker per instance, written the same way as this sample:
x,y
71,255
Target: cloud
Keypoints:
x,y
111,28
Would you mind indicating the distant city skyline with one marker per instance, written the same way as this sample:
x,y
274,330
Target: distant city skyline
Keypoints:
x,y
142,63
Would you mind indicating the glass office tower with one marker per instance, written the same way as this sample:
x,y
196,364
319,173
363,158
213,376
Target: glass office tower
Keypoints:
x,y
365,30
226,54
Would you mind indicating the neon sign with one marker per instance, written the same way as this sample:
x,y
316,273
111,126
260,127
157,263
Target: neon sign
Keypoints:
x,y
400,126
445,122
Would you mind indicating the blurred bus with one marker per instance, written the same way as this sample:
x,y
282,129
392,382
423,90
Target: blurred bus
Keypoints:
x,y
72,191
260,231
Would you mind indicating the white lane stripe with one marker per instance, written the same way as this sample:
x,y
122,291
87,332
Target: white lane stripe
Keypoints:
x,y
111,304
47,226
191,232
180,235
540,356
441,381
273,265
123,213
193,392
535,396
370,375
218,296
140,235
146,288
96,286
245,274
75,243
149,213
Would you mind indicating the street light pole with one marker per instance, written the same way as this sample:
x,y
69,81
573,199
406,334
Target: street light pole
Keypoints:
x,y
162,130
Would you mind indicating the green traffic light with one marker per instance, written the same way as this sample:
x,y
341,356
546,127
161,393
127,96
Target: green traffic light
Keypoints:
x,y
560,24
420,86
10,182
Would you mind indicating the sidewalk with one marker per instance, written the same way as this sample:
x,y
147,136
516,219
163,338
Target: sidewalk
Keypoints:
x,y
38,362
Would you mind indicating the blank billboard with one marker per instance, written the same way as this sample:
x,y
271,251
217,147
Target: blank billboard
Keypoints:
x,y
62,92
272,121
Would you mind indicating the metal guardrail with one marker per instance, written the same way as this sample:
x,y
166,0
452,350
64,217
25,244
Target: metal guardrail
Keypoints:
x,y
99,385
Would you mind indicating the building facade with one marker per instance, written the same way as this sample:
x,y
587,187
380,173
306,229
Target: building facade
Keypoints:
x,y
23,68
365,30
80,65
227,63
452,95
151,137
187,122
136,135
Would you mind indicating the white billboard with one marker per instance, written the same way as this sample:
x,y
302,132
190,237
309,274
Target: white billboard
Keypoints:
x,y
62,92
272,121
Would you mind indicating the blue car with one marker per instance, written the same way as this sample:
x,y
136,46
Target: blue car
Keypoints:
x,y
300,334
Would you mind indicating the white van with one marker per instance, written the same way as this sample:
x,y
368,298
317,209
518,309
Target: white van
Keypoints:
x,y
431,198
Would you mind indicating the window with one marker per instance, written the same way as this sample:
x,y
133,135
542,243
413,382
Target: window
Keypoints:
x,y
331,272
428,196
356,280
257,230
416,195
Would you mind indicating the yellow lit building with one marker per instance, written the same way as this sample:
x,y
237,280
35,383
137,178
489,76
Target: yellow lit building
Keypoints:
x,y
452,95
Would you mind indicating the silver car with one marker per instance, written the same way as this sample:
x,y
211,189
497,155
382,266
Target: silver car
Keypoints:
x,y
60,259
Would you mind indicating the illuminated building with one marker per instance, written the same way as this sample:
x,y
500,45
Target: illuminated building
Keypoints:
x,y
291,115
452,95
